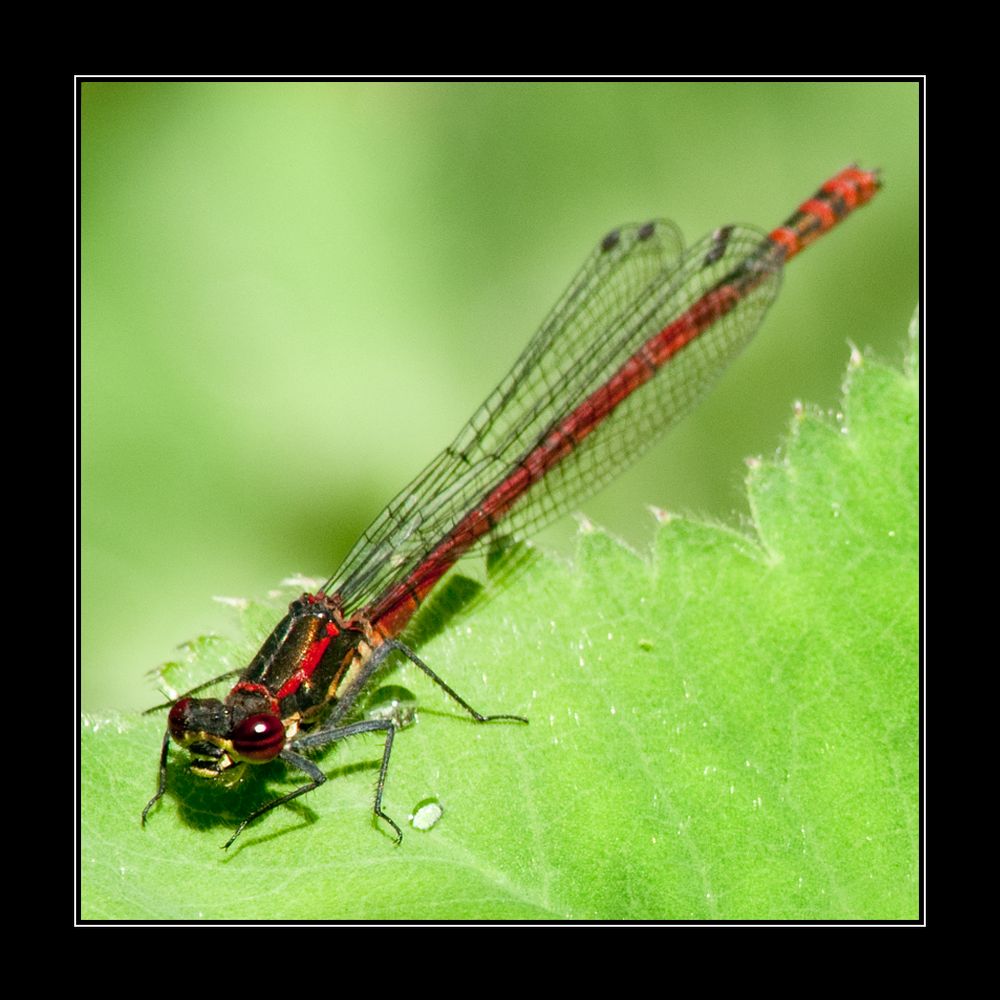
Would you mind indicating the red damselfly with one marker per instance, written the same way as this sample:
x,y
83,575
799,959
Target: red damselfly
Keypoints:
x,y
637,338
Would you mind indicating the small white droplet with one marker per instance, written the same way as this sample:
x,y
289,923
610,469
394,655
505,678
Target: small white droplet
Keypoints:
x,y
426,814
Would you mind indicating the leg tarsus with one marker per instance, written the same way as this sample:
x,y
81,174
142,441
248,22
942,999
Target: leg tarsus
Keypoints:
x,y
162,784
390,735
303,764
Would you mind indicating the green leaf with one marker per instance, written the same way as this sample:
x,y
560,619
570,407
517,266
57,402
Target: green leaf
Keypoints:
x,y
726,729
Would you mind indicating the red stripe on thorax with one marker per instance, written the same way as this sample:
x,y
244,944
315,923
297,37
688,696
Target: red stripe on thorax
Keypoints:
x,y
310,662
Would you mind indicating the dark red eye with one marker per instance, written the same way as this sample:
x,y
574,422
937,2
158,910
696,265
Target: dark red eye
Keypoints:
x,y
259,738
177,720
191,716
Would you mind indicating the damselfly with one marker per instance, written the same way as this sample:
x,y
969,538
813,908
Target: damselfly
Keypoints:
x,y
638,337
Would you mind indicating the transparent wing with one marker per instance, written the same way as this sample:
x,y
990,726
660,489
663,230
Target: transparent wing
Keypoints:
x,y
633,286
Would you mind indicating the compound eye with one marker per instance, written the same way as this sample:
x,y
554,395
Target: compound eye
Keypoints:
x,y
191,717
259,738
178,719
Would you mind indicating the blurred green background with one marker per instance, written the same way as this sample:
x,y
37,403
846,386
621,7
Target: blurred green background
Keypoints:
x,y
294,294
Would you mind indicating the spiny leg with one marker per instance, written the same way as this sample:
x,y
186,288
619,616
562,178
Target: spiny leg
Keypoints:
x,y
320,738
479,717
162,785
195,689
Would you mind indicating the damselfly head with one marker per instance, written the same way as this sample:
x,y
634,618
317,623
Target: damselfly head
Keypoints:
x,y
219,737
